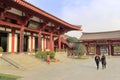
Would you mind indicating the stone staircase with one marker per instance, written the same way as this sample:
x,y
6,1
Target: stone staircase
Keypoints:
x,y
22,61
12,62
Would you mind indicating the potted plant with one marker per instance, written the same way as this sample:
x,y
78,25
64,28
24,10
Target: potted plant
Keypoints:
x,y
48,57
1,50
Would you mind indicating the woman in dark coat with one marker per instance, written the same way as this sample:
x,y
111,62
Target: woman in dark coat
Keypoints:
x,y
103,61
97,60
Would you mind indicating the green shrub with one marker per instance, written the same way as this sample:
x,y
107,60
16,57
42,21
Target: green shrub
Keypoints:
x,y
72,39
1,49
43,54
52,54
80,49
39,54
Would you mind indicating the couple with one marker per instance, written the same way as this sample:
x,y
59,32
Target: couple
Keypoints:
x,y
102,59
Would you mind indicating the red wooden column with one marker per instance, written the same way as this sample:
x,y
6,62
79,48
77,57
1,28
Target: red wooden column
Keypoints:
x,y
44,43
13,41
51,42
31,42
21,39
47,43
96,49
112,49
59,43
39,40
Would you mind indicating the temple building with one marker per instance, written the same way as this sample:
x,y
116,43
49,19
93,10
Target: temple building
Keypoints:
x,y
107,43
24,27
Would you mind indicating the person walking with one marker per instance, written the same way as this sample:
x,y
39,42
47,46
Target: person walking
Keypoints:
x,y
103,61
97,60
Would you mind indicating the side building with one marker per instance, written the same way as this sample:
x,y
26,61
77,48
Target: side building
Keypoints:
x,y
25,27
107,43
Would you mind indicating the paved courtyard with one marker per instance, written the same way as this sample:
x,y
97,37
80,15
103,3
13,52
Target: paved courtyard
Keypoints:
x,y
71,69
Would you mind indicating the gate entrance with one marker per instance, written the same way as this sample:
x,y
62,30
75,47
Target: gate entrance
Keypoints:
x,y
104,50
3,41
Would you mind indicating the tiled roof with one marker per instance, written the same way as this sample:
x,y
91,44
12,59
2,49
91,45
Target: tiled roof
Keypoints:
x,y
42,12
26,7
101,35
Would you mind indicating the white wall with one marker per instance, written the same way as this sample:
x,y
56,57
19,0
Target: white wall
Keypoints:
x,y
15,43
9,42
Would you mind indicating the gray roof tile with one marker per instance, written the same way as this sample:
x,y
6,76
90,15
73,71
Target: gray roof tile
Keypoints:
x,y
101,35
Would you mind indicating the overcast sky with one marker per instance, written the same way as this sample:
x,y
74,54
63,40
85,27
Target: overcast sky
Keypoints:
x,y
93,15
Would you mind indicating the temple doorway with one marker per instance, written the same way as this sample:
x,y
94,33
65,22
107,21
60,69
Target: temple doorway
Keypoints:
x,y
104,50
25,44
3,41
36,43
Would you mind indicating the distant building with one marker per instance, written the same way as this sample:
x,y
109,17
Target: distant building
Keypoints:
x,y
107,43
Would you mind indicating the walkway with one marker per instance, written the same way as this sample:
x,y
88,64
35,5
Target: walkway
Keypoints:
x,y
70,69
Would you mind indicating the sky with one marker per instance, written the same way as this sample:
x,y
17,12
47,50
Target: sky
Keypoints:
x,y
93,15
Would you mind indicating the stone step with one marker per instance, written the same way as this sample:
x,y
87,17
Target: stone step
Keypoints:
x,y
25,60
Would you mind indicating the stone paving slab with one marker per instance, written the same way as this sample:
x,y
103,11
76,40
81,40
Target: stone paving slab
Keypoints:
x,y
77,70
71,69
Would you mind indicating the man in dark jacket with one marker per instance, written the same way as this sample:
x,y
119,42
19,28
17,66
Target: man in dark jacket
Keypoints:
x,y
103,61
97,60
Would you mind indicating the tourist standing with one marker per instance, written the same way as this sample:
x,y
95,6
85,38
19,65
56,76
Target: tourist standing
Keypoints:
x,y
103,61
97,60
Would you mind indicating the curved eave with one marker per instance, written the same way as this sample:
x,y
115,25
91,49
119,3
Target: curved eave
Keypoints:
x,y
45,14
